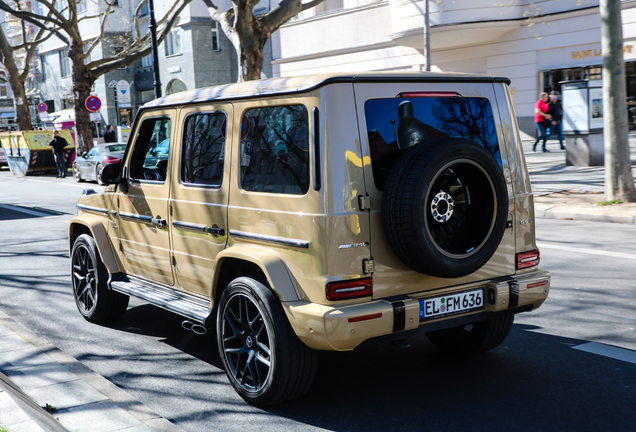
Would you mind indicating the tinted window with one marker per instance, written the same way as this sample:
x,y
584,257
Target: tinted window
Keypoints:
x,y
203,149
152,146
396,124
116,148
275,150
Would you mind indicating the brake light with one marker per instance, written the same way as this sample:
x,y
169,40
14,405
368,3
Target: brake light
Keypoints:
x,y
428,94
527,259
537,284
343,290
110,160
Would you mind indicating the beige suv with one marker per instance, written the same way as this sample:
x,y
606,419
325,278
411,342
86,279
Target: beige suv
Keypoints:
x,y
317,213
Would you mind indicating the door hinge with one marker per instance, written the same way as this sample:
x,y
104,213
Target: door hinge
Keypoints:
x,y
364,202
174,260
367,266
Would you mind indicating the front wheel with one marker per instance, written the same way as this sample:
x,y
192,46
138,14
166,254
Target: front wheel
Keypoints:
x,y
76,173
264,360
473,338
93,298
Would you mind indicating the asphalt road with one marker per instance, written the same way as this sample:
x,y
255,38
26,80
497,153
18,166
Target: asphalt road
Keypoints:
x,y
537,380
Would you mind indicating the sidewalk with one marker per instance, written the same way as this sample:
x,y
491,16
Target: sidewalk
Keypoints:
x,y
568,192
35,374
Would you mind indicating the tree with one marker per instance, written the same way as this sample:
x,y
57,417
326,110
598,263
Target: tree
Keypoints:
x,y
67,20
249,33
619,181
26,51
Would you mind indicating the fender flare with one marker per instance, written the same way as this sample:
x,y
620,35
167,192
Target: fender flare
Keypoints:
x,y
273,267
95,225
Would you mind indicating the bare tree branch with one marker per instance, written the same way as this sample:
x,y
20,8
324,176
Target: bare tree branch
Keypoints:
x,y
101,30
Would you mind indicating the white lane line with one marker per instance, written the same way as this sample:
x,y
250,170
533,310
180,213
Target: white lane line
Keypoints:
x,y
544,245
608,351
26,211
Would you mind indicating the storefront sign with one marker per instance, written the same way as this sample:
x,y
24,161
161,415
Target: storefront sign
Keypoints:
x,y
596,52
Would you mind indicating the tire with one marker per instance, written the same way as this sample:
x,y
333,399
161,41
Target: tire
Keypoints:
x,y
474,338
263,358
76,173
98,169
444,207
93,298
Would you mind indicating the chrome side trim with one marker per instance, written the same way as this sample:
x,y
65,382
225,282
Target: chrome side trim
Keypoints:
x,y
135,217
189,226
270,239
92,209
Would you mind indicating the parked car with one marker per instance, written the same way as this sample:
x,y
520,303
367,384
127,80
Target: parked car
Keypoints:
x,y
88,165
318,213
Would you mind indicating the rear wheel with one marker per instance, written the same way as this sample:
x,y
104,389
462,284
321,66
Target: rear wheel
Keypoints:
x,y
473,338
264,360
93,298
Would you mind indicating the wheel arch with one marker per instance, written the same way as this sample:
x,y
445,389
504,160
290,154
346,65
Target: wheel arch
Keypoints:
x,y
93,226
264,264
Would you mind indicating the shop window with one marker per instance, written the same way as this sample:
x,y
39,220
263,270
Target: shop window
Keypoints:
x,y
175,86
275,150
203,150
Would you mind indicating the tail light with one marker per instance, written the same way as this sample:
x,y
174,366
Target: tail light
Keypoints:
x,y
110,160
349,289
527,259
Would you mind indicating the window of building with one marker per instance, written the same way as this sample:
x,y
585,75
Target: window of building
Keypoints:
x,y
175,86
46,68
173,42
216,44
146,61
275,150
423,118
145,10
65,64
203,150
152,148
4,91
81,6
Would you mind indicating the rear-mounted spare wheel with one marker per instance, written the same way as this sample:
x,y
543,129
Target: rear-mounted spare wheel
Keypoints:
x,y
444,207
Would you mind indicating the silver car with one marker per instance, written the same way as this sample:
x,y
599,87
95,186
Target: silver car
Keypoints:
x,y
88,165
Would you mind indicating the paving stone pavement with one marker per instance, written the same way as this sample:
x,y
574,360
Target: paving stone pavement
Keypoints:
x,y
34,373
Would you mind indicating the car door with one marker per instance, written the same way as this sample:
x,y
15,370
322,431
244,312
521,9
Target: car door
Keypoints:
x,y
143,207
199,195
87,167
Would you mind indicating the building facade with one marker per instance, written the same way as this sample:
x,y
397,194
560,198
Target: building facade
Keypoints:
x,y
537,44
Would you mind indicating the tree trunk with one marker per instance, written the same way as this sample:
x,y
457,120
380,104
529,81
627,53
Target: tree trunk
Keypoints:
x,y
619,181
20,102
83,81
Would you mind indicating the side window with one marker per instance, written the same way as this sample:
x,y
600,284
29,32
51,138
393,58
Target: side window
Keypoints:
x,y
275,150
203,150
152,148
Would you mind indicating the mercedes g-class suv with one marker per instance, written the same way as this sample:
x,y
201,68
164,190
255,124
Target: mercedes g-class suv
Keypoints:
x,y
317,213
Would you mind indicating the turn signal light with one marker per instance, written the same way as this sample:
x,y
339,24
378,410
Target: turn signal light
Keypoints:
x,y
110,160
349,289
527,259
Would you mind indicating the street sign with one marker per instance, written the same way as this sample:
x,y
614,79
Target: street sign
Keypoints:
x,y
123,92
95,117
93,104
43,116
42,107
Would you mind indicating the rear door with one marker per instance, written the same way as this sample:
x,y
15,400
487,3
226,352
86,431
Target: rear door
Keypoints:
x,y
200,190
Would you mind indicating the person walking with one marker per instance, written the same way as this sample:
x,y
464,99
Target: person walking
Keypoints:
x,y
58,143
540,116
556,112
109,135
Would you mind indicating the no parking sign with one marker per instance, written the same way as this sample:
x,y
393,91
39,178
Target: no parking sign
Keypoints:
x,y
93,103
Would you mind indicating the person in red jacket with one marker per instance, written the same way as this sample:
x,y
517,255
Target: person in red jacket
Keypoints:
x,y
540,117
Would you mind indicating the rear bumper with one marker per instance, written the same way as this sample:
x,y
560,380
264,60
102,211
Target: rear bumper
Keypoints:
x,y
334,328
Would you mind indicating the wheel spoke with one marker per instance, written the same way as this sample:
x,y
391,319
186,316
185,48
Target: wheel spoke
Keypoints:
x,y
254,371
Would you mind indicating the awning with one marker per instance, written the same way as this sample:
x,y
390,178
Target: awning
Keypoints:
x,y
7,114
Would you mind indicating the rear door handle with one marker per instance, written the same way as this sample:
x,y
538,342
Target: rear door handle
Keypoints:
x,y
159,222
215,231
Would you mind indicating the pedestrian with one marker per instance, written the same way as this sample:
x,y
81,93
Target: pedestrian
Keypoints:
x,y
58,143
556,112
109,135
540,116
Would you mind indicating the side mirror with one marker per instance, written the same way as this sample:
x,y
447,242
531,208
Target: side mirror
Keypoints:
x,y
84,155
112,173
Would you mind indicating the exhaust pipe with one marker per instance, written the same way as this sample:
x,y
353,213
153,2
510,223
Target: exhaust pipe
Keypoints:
x,y
194,327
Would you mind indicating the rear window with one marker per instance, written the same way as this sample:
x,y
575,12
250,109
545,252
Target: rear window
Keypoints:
x,y
116,148
396,124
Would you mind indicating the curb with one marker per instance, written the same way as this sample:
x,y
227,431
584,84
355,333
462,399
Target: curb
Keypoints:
x,y
546,211
42,374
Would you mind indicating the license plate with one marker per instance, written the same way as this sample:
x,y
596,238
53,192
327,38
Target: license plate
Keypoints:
x,y
437,307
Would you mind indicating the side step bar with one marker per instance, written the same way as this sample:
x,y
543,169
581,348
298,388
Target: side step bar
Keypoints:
x,y
194,308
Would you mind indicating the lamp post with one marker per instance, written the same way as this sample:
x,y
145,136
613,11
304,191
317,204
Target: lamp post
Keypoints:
x,y
155,52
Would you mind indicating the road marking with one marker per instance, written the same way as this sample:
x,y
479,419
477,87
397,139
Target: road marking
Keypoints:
x,y
544,245
608,351
26,211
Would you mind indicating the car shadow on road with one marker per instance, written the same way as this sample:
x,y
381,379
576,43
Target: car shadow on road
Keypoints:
x,y
532,382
